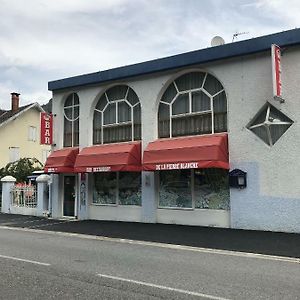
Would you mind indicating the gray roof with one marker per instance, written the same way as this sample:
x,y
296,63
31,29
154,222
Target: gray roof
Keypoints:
x,y
7,115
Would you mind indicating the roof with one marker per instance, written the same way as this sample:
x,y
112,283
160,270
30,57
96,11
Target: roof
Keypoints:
x,y
9,115
246,47
48,106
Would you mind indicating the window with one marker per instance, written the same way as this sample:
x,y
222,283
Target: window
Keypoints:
x,y
194,189
270,124
32,133
117,116
117,188
193,104
71,121
14,154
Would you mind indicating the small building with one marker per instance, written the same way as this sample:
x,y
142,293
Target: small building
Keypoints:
x,y
201,138
20,133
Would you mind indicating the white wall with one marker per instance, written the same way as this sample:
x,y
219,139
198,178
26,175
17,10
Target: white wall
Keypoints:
x,y
272,199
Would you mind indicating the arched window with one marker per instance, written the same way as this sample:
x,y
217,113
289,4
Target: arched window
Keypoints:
x,y
117,116
193,104
71,121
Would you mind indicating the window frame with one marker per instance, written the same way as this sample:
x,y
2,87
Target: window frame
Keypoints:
x,y
73,107
191,113
12,154
117,123
32,133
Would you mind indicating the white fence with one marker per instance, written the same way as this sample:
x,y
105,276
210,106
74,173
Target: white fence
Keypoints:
x,y
24,196
25,199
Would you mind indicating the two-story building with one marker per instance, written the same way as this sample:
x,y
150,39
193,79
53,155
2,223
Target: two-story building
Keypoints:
x,y
20,132
159,141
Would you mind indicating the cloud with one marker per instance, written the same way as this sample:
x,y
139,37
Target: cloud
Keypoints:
x,y
42,40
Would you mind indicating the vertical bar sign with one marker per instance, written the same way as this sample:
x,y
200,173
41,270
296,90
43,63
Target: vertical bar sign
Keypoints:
x,y
276,71
46,128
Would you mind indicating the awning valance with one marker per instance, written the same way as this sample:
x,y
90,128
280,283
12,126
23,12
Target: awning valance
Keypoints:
x,y
195,152
61,161
110,158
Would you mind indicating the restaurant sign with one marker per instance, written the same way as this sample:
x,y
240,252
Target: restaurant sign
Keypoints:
x,y
46,129
276,72
98,169
177,166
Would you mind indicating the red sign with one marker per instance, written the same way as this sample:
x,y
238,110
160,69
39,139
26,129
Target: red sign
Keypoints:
x,y
276,70
46,129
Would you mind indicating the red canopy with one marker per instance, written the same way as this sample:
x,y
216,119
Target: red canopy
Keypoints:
x,y
110,158
196,152
61,161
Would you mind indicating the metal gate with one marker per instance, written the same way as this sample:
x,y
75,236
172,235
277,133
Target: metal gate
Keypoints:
x,y
24,196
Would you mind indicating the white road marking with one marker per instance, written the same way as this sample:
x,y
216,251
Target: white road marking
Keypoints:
x,y
161,287
161,245
24,260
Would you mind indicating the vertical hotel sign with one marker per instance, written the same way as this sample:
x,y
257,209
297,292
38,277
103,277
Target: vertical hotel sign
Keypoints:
x,y
276,72
46,129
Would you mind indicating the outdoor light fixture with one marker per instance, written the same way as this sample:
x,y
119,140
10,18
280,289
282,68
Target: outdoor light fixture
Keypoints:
x,y
238,179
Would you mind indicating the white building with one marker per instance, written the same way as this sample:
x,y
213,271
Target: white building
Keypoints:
x,y
155,141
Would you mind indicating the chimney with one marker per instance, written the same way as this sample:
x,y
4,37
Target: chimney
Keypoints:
x,y
14,101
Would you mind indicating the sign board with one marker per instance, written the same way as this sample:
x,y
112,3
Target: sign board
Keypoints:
x,y
276,71
177,166
46,128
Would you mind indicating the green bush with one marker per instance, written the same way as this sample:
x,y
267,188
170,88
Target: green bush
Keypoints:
x,y
21,168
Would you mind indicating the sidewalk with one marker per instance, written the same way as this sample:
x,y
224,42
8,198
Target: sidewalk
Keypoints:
x,y
272,243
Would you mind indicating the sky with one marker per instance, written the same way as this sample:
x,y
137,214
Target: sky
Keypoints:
x,y
45,40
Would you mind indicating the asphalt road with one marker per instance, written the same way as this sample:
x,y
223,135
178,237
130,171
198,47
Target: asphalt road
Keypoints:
x,y
263,242
44,265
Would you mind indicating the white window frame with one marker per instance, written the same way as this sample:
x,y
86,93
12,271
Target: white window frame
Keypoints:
x,y
14,154
191,113
32,133
73,119
117,123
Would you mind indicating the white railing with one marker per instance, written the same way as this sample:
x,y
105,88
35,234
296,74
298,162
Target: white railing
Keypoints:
x,y
24,196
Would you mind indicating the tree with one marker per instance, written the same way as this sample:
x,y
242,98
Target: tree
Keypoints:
x,y
21,168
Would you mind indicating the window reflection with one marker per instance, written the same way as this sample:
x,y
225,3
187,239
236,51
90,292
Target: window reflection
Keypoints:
x,y
105,188
175,189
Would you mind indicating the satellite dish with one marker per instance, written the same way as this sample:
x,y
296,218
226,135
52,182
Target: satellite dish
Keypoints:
x,y
217,41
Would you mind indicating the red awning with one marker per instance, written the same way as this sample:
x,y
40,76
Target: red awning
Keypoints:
x,y
61,161
110,158
196,152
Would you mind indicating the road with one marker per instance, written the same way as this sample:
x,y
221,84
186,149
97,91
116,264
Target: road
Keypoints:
x,y
48,265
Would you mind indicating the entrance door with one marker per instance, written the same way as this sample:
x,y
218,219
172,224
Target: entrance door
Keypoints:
x,y
69,196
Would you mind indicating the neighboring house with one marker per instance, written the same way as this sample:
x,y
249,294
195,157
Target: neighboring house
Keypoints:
x,y
20,133
155,141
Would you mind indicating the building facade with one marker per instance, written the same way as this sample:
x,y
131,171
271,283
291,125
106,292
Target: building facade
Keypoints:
x,y
162,140
20,133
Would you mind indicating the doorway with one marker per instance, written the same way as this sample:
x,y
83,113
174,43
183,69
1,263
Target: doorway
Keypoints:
x,y
69,196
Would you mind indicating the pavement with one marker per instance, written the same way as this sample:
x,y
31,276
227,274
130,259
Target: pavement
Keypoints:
x,y
262,242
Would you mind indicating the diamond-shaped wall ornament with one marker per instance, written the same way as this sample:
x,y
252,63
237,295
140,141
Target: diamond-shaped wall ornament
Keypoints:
x,y
270,124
